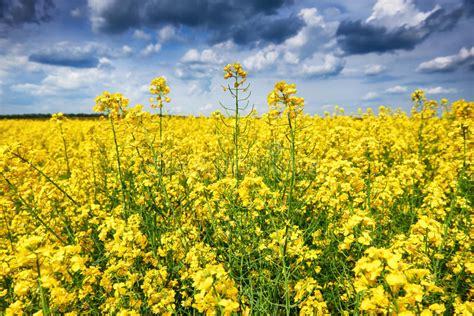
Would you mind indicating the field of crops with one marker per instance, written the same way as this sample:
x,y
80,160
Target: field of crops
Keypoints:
x,y
281,213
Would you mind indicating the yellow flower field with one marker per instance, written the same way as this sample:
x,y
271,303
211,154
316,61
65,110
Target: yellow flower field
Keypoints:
x,y
281,213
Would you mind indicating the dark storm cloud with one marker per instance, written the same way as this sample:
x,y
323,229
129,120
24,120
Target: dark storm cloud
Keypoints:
x,y
65,54
68,61
244,21
17,12
359,37
266,6
272,30
117,18
468,6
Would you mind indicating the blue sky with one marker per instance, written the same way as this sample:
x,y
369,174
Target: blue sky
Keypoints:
x,y
57,55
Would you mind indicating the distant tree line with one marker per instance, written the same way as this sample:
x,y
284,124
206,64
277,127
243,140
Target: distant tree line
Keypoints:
x,y
47,116
43,116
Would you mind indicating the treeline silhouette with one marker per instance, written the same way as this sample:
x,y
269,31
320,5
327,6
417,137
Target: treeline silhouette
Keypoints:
x,y
47,116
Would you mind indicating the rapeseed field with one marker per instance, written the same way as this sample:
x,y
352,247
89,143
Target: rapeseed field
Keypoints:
x,y
238,213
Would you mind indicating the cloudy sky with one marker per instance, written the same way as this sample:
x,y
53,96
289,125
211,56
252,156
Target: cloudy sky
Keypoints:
x,y
57,55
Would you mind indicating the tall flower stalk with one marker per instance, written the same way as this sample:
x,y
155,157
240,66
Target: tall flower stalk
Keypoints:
x,y
59,118
240,93
160,90
424,110
115,105
283,101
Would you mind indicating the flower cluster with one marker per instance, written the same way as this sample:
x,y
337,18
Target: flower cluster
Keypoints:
x,y
235,71
160,89
283,95
58,117
114,104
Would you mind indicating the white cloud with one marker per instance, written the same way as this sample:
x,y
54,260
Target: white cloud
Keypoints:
x,y
396,13
191,55
332,45
33,89
96,9
371,96
105,63
51,88
144,88
314,27
331,66
207,56
127,50
14,64
194,88
62,80
11,62
448,63
315,36
397,90
316,33
372,70
71,80
207,107
151,49
142,35
291,58
311,17
296,41
440,90
224,47
262,59
176,109
198,68
166,33
76,13
349,71
197,75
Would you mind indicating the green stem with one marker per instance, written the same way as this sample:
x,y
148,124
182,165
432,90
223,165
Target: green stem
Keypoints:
x,y
161,139
46,177
293,162
292,126
44,300
464,137
369,182
420,137
65,151
9,234
122,183
32,211
236,132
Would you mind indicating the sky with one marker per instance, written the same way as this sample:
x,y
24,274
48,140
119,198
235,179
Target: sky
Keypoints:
x,y
58,55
